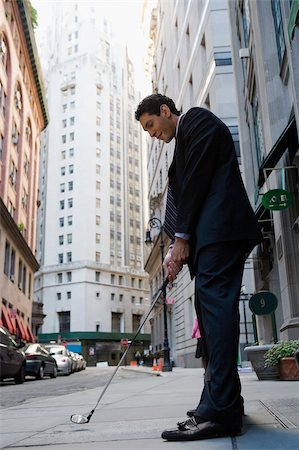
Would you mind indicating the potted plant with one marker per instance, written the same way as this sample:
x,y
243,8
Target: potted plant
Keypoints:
x,y
256,355
282,355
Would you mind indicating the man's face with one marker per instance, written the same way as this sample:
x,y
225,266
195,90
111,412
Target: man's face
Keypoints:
x,y
161,127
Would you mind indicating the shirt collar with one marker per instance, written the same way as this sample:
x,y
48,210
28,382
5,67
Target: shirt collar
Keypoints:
x,y
177,125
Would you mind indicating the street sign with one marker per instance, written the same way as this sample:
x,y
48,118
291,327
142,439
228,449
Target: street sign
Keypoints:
x,y
124,342
263,303
277,199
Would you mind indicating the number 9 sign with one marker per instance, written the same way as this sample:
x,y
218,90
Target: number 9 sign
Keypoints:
x,y
263,303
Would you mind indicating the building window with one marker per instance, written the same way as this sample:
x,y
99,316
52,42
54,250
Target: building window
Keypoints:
x,y
60,258
133,299
98,257
61,204
98,202
58,295
98,295
116,322
59,277
6,258
72,120
69,276
132,282
136,318
258,130
63,154
12,265
64,319
98,220
120,280
64,123
72,136
71,168
98,238
112,296
68,295
246,21
71,184
140,283
97,276
112,278
70,220
71,152
235,135
62,171
69,238
223,58
62,187
61,222
280,41
63,139
121,297
69,256
60,239
70,202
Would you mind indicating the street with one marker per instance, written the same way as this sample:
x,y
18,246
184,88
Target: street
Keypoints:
x,y
12,394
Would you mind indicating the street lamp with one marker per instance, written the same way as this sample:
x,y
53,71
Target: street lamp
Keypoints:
x,y
156,223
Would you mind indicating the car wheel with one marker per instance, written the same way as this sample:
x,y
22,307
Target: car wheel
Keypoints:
x,y
54,374
20,378
40,373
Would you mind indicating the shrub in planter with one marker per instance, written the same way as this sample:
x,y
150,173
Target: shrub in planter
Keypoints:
x,y
282,354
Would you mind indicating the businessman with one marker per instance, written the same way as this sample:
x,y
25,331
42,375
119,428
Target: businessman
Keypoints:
x,y
212,227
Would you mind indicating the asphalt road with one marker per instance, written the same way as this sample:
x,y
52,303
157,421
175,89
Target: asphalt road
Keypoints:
x,y
12,394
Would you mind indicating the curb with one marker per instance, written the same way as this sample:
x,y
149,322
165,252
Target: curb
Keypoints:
x,y
141,370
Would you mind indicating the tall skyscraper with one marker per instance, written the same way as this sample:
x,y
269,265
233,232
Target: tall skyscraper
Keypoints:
x,y
91,217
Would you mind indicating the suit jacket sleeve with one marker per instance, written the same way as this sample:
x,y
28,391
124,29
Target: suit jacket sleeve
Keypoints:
x,y
199,137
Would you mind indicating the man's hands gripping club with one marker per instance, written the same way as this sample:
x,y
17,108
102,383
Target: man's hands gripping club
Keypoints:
x,y
177,255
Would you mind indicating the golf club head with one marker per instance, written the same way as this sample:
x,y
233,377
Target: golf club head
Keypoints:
x,y
79,418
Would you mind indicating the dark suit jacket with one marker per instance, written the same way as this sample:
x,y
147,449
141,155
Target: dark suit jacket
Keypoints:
x,y
212,203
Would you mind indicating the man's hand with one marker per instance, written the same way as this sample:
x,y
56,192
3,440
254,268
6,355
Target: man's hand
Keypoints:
x,y
176,257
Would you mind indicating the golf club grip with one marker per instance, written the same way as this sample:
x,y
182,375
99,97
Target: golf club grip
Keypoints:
x,y
156,298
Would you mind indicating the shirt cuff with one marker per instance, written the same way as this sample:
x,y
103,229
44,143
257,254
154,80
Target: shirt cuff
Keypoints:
x,y
183,236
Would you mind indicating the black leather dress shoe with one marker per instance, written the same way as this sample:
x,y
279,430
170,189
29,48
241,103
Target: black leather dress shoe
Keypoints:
x,y
190,430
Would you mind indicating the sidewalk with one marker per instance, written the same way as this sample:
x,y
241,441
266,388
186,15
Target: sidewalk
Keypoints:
x,y
134,412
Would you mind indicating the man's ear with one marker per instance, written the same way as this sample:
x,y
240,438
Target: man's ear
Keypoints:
x,y
165,111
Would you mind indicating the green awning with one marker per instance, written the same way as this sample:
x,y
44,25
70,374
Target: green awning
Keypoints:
x,y
92,335
294,19
287,140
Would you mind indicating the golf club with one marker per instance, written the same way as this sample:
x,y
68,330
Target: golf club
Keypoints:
x,y
79,418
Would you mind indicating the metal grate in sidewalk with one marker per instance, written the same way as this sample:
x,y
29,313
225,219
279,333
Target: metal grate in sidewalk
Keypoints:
x,y
280,409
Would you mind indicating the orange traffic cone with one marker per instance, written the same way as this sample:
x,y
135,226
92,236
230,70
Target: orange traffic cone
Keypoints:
x,y
155,367
160,364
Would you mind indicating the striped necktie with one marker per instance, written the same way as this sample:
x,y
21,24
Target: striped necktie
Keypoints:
x,y
170,215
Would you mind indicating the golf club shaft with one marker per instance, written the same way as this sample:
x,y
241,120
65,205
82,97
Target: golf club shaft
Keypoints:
x,y
156,298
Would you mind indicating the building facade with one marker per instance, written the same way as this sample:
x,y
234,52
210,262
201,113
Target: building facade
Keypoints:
x,y
23,114
267,82
91,217
192,63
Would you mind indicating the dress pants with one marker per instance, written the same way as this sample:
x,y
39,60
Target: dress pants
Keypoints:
x,y
217,290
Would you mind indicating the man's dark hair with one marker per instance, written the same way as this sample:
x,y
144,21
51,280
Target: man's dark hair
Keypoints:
x,y
152,103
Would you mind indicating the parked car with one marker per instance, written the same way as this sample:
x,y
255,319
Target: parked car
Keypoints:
x,y
81,363
39,362
75,364
12,358
62,357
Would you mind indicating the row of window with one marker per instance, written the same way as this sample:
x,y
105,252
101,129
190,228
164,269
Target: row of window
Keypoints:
x,y
71,153
10,270
117,319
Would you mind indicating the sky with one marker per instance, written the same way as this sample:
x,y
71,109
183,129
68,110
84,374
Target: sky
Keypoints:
x,y
125,16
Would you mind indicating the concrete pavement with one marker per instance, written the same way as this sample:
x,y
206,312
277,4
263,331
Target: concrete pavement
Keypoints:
x,y
135,411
